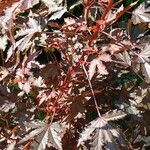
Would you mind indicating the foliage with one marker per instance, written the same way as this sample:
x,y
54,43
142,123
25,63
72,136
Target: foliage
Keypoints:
x,y
74,75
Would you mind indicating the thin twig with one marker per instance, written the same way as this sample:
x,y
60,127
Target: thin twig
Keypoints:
x,y
96,105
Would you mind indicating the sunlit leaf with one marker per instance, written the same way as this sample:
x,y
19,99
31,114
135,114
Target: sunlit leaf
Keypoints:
x,y
45,134
141,14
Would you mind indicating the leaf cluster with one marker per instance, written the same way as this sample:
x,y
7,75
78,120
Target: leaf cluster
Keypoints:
x,y
74,75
